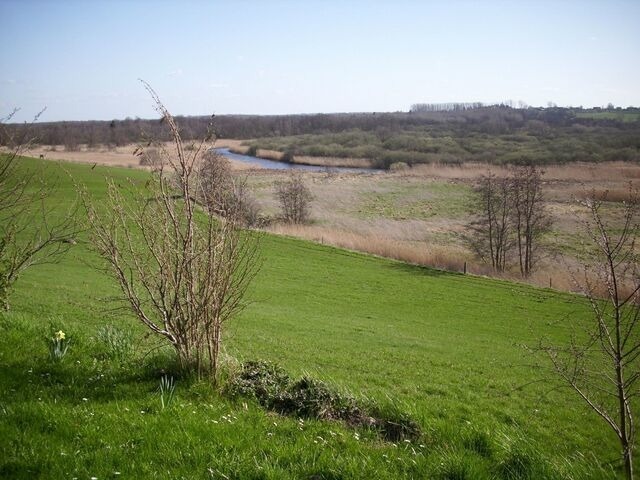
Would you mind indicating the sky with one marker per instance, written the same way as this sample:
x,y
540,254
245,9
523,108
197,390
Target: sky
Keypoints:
x,y
82,59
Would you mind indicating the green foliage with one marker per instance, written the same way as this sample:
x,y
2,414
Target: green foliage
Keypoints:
x,y
444,347
479,442
261,380
517,465
533,142
117,342
166,391
57,345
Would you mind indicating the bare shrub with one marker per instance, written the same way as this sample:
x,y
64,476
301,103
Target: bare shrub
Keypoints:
x,y
600,362
182,272
150,157
530,218
295,198
216,182
225,194
490,231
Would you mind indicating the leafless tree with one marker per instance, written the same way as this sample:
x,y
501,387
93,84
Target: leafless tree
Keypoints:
x,y
510,217
530,218
490,231
295,198
216,182
600,362
182,271
31,231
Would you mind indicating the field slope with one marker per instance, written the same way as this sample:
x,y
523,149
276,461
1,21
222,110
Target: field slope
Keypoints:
x,y
447,349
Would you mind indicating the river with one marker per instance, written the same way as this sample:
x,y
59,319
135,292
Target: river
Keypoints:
x,y
275,165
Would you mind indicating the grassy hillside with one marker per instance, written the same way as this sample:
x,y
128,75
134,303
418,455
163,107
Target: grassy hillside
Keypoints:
x,y
445,348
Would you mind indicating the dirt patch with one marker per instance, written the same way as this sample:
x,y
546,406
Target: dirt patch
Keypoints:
x,y
115,157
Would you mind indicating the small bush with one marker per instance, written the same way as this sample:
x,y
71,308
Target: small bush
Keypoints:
x,y
398,166
310,398
295,199
151,158
288,156
261,380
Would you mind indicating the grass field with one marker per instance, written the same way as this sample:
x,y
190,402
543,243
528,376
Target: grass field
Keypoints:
x,y
447,349
611,115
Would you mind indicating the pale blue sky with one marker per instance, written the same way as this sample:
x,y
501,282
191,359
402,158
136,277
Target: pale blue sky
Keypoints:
x,y
82,59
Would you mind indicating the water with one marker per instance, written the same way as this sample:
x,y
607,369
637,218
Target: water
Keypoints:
x,y
275,165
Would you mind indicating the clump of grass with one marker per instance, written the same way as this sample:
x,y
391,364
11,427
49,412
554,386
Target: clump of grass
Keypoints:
x,y
117,342
517,465
478,442
310,398
522,461
454,467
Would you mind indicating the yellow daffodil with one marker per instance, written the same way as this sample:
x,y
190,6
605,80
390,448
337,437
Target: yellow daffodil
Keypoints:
x,y
59,335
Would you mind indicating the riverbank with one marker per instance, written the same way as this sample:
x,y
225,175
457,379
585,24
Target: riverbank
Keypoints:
x,y
272,164
326,162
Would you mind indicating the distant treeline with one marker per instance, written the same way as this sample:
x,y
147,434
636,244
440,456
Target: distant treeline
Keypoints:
x,y
590,129
445,107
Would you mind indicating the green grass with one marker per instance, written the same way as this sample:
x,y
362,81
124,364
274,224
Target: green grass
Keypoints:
x,y
609,115
421,201
445,348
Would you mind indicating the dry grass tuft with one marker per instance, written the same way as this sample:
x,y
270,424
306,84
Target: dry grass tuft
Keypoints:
x,y
269,154
575,172
451,258
332,162
604,194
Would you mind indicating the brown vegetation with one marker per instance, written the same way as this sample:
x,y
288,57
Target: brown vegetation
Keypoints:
x,y
181,272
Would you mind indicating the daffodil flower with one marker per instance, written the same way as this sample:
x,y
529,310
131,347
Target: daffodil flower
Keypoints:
x,y
59,335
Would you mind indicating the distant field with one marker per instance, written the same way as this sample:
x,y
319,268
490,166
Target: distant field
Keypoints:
x,y
618,116
446,348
